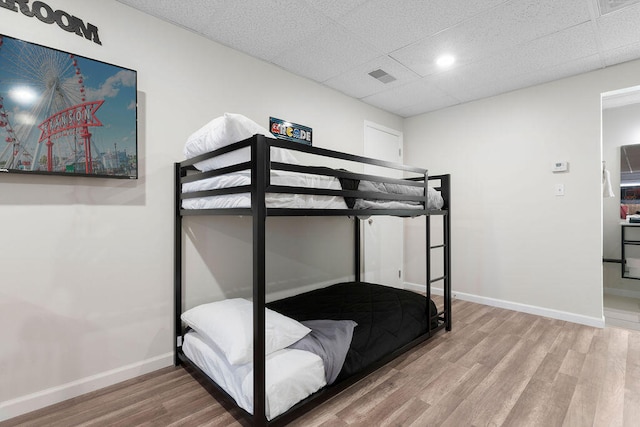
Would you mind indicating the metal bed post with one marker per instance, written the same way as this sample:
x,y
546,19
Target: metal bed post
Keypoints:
x,y
447,266
259,181
446,189
427,220
357,253
177,269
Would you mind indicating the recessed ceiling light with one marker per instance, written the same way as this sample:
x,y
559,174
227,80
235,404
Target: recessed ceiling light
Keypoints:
x,y
445,61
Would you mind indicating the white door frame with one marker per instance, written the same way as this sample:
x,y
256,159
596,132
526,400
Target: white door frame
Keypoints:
x,y
400,249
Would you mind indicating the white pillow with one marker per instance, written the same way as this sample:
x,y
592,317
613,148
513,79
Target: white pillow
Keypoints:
x,y
229,325
226,130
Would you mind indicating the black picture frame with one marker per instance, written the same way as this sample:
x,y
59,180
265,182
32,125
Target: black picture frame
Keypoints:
x,y
66,114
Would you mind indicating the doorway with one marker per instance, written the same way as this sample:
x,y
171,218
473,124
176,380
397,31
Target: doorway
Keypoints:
x,y
620,131
383,236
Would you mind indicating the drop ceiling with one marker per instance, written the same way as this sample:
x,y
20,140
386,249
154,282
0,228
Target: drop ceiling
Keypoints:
x,y
498,45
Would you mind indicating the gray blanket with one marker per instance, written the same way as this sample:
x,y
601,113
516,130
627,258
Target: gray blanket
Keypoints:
x,y
329,339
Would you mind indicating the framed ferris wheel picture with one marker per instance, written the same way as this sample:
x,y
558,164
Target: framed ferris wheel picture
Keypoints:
x,y
65,114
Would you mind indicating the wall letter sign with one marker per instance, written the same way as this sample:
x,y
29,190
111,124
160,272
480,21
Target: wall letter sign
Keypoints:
x,y
46,14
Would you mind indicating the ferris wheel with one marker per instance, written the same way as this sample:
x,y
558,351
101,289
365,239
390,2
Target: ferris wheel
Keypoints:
x,y
44,116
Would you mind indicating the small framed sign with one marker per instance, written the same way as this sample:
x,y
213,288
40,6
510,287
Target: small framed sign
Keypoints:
x,y
290,131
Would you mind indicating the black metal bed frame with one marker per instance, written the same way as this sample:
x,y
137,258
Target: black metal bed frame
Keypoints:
x,y
260,167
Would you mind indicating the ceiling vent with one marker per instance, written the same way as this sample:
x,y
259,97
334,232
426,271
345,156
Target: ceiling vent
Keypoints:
x,y
608,6
383,76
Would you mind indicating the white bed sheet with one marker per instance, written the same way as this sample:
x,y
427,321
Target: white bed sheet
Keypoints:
x,y
292,375
273,200
434,197
301,201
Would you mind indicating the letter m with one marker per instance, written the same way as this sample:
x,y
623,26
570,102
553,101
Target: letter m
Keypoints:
x,y
90,32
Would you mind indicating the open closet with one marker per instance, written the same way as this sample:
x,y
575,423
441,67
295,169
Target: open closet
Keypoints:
x,y
621,207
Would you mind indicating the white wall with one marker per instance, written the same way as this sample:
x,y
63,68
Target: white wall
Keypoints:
x,y
86,296
514,242
87,263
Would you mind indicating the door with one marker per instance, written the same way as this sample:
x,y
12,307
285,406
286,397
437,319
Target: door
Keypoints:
x,y
383,235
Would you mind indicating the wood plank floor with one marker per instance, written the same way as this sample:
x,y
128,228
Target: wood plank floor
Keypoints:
x,y
496,368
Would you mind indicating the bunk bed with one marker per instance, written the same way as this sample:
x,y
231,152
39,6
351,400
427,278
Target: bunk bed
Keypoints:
x,y
261,178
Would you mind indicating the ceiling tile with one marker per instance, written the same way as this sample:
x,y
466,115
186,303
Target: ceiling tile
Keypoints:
x,y
561,70
501,28
326,54
175,12
546,52
408,95
608,6
463,82
250,27
426,105
619,29
557,48
335,8
488,82
622,54
358,84
395,24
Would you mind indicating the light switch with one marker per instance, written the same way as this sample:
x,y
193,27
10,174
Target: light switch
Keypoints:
x,y
559,190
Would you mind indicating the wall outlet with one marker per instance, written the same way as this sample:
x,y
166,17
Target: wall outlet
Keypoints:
x,y
559,191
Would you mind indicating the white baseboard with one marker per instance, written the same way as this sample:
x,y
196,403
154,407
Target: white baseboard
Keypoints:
x,y
627,293
421,288
621,314
621,323
31,402
509,305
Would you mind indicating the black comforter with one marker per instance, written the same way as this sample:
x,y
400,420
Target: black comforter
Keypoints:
x,y
387,318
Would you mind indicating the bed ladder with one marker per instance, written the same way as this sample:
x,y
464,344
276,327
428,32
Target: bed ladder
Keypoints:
x,y
446,247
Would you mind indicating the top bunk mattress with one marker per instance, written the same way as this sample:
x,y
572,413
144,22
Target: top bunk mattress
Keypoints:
x,y
230,128
303,201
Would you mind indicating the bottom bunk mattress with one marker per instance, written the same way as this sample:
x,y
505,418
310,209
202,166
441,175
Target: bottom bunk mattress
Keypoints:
x,y
388,318
291,375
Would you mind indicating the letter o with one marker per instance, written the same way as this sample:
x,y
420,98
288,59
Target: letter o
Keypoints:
x,y
36,9
69,26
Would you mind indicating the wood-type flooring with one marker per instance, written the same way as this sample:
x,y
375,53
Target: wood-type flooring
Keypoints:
x,y
495,368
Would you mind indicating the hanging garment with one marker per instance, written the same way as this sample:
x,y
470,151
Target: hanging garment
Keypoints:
x,y
607,191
